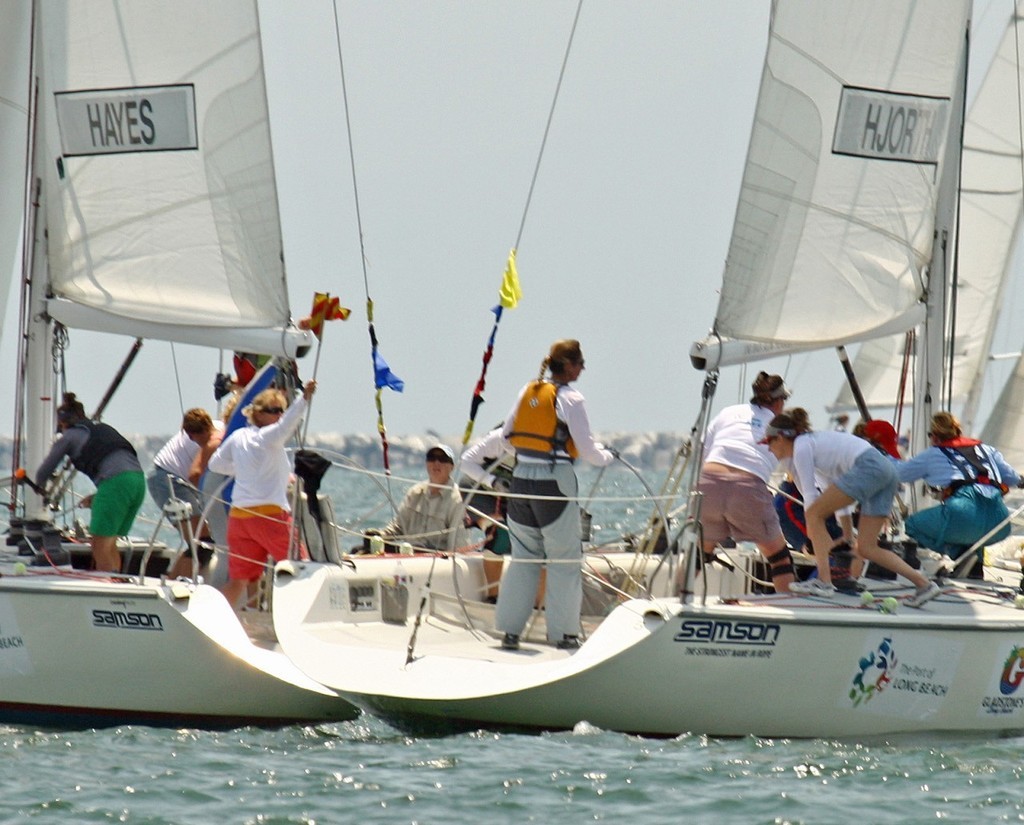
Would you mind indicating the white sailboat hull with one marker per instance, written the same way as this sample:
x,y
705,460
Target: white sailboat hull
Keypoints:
x,y
768,665
82,651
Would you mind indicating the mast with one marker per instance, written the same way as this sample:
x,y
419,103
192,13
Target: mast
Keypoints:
x,y
34,393
932,360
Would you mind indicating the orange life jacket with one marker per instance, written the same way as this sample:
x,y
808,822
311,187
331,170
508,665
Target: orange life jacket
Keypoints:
x,y
537,430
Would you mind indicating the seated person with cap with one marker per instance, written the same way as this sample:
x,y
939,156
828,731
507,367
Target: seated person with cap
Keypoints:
x,y
432,515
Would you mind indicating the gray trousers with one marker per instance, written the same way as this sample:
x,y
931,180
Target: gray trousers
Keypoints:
x,y
543,530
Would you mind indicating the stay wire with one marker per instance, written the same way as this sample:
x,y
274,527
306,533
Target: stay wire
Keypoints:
x,y
381,428
478,398
547,126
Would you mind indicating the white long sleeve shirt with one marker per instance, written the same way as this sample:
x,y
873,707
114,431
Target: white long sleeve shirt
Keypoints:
x,y
256,457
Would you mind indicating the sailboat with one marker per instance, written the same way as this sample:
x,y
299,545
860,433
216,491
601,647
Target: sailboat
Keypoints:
x,y
148,210
842,234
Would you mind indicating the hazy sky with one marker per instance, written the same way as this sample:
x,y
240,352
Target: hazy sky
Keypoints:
x,y
624,240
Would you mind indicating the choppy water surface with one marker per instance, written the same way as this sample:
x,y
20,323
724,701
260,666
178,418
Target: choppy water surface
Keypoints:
x,y
365,771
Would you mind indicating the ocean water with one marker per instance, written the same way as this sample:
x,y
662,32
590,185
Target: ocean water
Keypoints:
x,y
368,772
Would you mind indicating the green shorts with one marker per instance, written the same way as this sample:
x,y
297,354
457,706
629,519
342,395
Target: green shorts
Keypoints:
x,y
116,503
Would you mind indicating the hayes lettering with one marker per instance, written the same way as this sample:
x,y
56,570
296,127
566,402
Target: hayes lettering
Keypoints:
x,y
125,123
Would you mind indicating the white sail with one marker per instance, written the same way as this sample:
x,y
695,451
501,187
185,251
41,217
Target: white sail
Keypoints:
x,y
1004,428
836,213
158,179
14,58
990,220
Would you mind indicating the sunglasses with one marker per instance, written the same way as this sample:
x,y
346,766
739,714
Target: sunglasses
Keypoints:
x,y
438,457
272,410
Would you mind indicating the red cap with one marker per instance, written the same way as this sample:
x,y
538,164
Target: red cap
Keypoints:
x,y
883,434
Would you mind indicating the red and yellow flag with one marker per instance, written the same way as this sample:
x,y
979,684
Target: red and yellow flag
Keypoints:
x,y
326,307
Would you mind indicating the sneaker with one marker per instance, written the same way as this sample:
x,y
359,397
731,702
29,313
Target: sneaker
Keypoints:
x,y
848,585
812,587
568,642
510,641
924,594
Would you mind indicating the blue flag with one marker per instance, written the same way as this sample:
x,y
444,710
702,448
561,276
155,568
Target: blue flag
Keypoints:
x,y
383,376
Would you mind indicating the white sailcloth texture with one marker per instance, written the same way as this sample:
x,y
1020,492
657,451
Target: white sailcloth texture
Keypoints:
x,y
990,221
836,212
158,178
1004,428
14,59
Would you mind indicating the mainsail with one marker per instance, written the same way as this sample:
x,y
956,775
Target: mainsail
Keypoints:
x,y
14,59
990,221
836,215
155,158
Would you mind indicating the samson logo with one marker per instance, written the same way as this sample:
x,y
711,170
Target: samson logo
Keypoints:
x,y
890,126
115,121
126,619
737,633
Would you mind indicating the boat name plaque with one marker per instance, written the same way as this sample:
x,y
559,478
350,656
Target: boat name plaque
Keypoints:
x,y
873,123
137,119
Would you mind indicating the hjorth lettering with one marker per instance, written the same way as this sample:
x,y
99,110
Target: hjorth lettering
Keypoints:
x,y
897,131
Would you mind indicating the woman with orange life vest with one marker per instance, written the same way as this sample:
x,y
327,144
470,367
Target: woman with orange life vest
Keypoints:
x,y
549,429
970,478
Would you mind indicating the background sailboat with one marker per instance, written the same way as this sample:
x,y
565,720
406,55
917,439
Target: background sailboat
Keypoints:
x,y
989,230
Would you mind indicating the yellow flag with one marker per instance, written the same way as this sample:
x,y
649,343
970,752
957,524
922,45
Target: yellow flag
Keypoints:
x,y
510,292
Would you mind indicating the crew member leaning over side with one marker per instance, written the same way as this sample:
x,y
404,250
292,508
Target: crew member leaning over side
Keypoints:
x,y
110,462
548,428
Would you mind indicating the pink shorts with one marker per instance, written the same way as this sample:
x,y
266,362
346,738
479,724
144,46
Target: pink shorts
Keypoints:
x,y
737,505
252,539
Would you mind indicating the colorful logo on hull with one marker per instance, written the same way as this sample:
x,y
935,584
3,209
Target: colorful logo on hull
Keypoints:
x,y
876,672
1013,672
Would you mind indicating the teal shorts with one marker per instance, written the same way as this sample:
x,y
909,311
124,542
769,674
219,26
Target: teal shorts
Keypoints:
x,y
116,503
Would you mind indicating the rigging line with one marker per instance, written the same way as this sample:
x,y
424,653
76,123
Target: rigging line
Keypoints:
x,y
351,150
510,292
547,127
381,429
177,379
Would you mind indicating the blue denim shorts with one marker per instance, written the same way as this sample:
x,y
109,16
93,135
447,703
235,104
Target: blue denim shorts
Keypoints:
x,y
872,481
